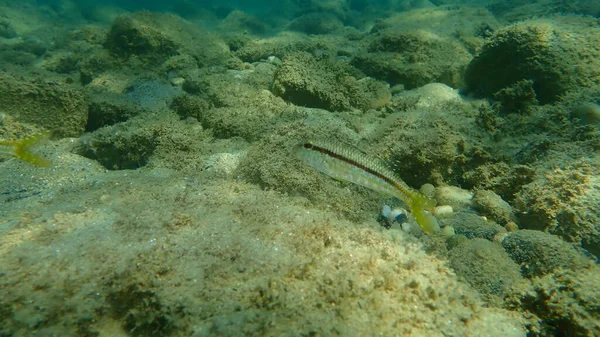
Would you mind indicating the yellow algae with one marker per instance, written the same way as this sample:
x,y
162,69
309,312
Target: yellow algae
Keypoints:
x,y
23,149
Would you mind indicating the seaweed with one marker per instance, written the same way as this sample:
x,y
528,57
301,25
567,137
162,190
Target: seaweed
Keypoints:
x,y
23,149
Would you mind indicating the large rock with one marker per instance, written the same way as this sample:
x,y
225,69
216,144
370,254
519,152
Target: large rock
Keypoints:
x,y
48,103
319,83
557,56
154,37
414,59
565,203
541,253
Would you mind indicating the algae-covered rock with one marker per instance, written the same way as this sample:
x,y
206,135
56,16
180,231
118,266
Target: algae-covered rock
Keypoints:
x,y
519,97
240,22
587,113
155,37
146,96
316,23
485,266
425,147
564,201
414,59
106,108
158,140
568,302
462,22
491,204
472,225
303,80
204,257
517,10
541,253
249,122
48,103
319,83
500,177
286,43
223,88
179,64
7,30
190,106
557,56
131,36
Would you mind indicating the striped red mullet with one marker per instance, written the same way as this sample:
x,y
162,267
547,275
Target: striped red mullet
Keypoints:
x,y
343,162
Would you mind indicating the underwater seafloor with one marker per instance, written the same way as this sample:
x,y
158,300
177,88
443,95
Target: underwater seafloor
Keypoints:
x,y
175,207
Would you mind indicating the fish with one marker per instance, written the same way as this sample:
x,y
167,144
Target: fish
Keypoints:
x,y
346,163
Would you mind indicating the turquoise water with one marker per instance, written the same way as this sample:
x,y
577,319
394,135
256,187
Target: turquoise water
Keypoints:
x,y
173,203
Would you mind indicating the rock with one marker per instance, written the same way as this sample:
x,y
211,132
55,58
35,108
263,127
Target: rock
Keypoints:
x,y
557,55
587,113
541,253
473,226
564,202
454,196
485,266
240,22
567,302
286,43
156,37
316,23
7,30
491,205
46,102
319,83
414,59
136,35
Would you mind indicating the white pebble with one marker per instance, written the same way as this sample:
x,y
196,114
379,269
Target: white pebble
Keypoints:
x,y
385,211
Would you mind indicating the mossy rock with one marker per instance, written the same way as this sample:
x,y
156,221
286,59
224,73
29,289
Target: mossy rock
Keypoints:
x,y
541,253
7,30
155,37
414,59
568,302
485,266
564,202
316,23
319,83
131,35
48,103
287,43
557,56
107,108
240,23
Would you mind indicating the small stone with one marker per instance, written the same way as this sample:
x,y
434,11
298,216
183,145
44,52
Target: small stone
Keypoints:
x,y
455,197
443,211
493,206
177,81
428,190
